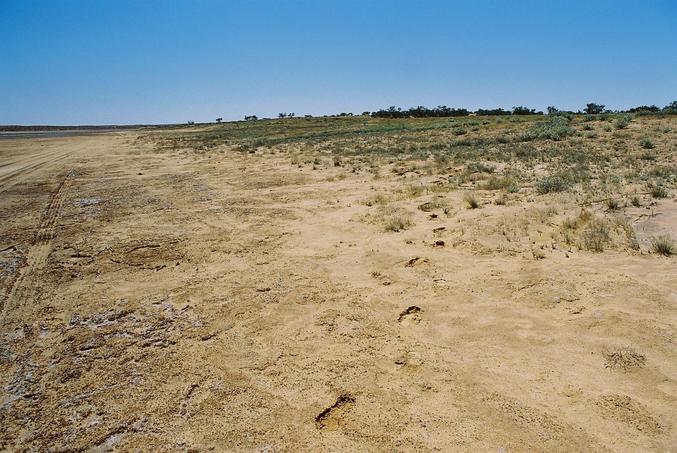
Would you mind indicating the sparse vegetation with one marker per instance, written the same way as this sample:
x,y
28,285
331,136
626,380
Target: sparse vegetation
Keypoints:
x,y
398,221
471,201
497,183
523,154
622,122
647,143
331,226
612,204
663,245
624,358
555,128
550,184
659,191
377,199
596,236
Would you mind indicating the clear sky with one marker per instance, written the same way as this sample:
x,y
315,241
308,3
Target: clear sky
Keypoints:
x,y
147,61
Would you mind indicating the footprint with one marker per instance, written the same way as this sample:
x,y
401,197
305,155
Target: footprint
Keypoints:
x,y
332,417
409,360
416,261
411,315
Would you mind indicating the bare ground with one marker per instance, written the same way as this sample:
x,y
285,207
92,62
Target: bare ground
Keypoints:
x,y
234,302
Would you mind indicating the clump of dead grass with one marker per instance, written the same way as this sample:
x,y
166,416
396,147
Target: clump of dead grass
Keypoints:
x,y
396,220
663,245
503,182
596,236
377,199
436,203
624,358
471,200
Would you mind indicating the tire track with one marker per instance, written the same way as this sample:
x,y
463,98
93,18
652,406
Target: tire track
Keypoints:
x,y
14,172
23,288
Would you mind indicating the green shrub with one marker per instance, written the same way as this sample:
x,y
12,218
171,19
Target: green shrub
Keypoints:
x,y
562,181
622,122
659,192
479,167
555,128
646,143
550,184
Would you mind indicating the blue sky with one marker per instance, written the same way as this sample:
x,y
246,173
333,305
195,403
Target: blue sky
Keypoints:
x,y
146,61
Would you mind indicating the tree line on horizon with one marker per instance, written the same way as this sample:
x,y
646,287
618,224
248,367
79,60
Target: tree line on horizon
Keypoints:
x,y
443,111
591,108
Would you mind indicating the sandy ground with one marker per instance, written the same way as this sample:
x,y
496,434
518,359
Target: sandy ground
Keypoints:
x,y
234,302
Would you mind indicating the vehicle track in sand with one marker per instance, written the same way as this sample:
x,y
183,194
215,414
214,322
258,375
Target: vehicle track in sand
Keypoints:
x,y
23,288
16,169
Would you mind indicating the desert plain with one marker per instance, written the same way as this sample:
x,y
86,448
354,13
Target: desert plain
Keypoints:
x,y
342,284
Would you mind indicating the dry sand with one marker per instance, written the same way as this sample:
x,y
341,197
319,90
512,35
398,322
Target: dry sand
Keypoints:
x,y
234,302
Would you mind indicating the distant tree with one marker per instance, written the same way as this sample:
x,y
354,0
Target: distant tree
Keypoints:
x,y
520,110
418,112
499,111
552,110
307,116
281,115
218,120
191,122
251,118
594,109
366,113
290,115
644,109
671,107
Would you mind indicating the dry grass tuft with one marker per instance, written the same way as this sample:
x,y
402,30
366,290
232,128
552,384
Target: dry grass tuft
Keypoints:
x,y
663,245
397,220
624,358
596,236
471,201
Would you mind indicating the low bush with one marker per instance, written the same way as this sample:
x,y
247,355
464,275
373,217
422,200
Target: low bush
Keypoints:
x,y
622,122
562,181
646,143
596,236
555,128
551,184
659,192
497,183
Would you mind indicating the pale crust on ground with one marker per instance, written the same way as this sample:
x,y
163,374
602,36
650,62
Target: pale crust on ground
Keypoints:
x,y
234,302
